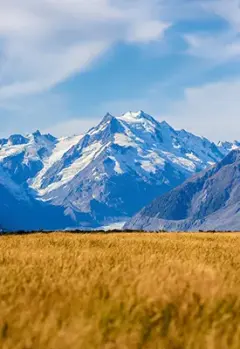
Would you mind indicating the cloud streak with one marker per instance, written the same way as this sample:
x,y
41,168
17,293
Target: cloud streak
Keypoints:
x,y
44,42
211,110
224,45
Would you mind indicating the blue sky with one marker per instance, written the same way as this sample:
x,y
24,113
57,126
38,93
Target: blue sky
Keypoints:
x,y
65,63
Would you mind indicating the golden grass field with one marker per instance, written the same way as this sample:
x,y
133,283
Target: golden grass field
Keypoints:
x,y
166,291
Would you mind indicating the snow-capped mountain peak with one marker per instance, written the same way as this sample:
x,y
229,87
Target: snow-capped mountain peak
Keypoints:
x,y
139,117
112,171
122,154
17,139
22,157
226,147
133,116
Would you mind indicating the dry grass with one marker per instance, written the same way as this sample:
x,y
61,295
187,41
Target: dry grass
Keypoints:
x,y
120,291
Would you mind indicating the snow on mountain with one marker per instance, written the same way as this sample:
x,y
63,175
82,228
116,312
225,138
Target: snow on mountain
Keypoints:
x,y
227,147
153,143
62,145
20,210
120,165
14,189
112,171
24,157
207,201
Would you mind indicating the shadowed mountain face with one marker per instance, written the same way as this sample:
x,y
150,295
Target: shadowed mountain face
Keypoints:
x,y
29,214
18,210
104,176
208,201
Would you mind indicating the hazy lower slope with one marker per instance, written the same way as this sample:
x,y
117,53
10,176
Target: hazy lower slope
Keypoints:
x,y
209,200
19,210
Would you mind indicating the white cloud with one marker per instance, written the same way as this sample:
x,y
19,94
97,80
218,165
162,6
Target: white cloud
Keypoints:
x,y
72,127
51,68
212,110
42,42
151,30
225,44
229,10
219,48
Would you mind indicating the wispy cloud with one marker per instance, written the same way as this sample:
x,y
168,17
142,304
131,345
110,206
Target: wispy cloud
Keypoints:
x,y
229,10
225,44
72,126
211,110
44,42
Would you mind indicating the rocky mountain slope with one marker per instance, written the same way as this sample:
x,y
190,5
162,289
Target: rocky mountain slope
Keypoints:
x,y
208,201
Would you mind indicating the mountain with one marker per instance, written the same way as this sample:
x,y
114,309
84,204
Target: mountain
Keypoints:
x,y
24,157
226,147
208,201
121,159
21,159
19,210
108,174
